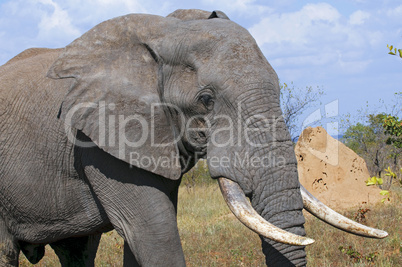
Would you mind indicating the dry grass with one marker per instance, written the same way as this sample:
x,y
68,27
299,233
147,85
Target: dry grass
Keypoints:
x,y
211,236
110,253
385,252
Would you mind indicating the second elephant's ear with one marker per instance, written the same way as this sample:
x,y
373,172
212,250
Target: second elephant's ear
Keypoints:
x,y
115,98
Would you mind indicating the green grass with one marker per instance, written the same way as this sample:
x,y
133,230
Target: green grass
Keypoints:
x,y
211,236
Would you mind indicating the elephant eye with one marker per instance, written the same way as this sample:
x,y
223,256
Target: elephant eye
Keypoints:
x,y
207,100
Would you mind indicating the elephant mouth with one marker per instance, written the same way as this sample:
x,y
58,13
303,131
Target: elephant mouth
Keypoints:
x,y
245,213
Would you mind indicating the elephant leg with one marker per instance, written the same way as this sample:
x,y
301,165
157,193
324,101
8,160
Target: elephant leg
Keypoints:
x,y
145,217
77,251
9,249
141,207
129,258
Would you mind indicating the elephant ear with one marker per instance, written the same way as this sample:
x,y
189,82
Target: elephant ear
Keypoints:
x,y
196,14
115,98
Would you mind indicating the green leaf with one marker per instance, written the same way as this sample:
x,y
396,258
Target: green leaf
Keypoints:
x,y
391,53
400,52
379,181
384,192
371,181
391,47
389,172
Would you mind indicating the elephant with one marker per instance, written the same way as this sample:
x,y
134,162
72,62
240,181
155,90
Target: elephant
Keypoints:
x,y
97,136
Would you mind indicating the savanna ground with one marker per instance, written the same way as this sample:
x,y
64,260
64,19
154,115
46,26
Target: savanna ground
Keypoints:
x,y
211,236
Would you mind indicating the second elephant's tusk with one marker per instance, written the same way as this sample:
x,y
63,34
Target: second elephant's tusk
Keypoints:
x,y
321,211
242,209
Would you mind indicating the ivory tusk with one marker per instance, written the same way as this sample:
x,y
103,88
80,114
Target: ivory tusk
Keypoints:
x,y
242,209
323,212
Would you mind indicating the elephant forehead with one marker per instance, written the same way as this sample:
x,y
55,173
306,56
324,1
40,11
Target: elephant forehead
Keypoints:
x,y
226,38
227,46
239,67
216,27
203,39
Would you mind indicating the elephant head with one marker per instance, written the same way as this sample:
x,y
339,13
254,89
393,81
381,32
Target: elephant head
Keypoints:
x,y
159,93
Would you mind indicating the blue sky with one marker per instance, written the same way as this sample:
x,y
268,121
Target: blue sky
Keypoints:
x,y
340,46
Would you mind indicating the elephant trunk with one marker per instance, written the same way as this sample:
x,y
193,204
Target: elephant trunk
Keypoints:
x,y
277,199
276,192
269,176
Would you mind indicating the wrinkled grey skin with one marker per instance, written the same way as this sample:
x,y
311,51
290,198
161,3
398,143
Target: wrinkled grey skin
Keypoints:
x,y
59,193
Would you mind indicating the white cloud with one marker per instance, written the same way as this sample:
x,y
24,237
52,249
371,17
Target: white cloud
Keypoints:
x,y
353,67
240,6
56,23
295,27
320,12
317,35
395,12
128,5
89,13
358,17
